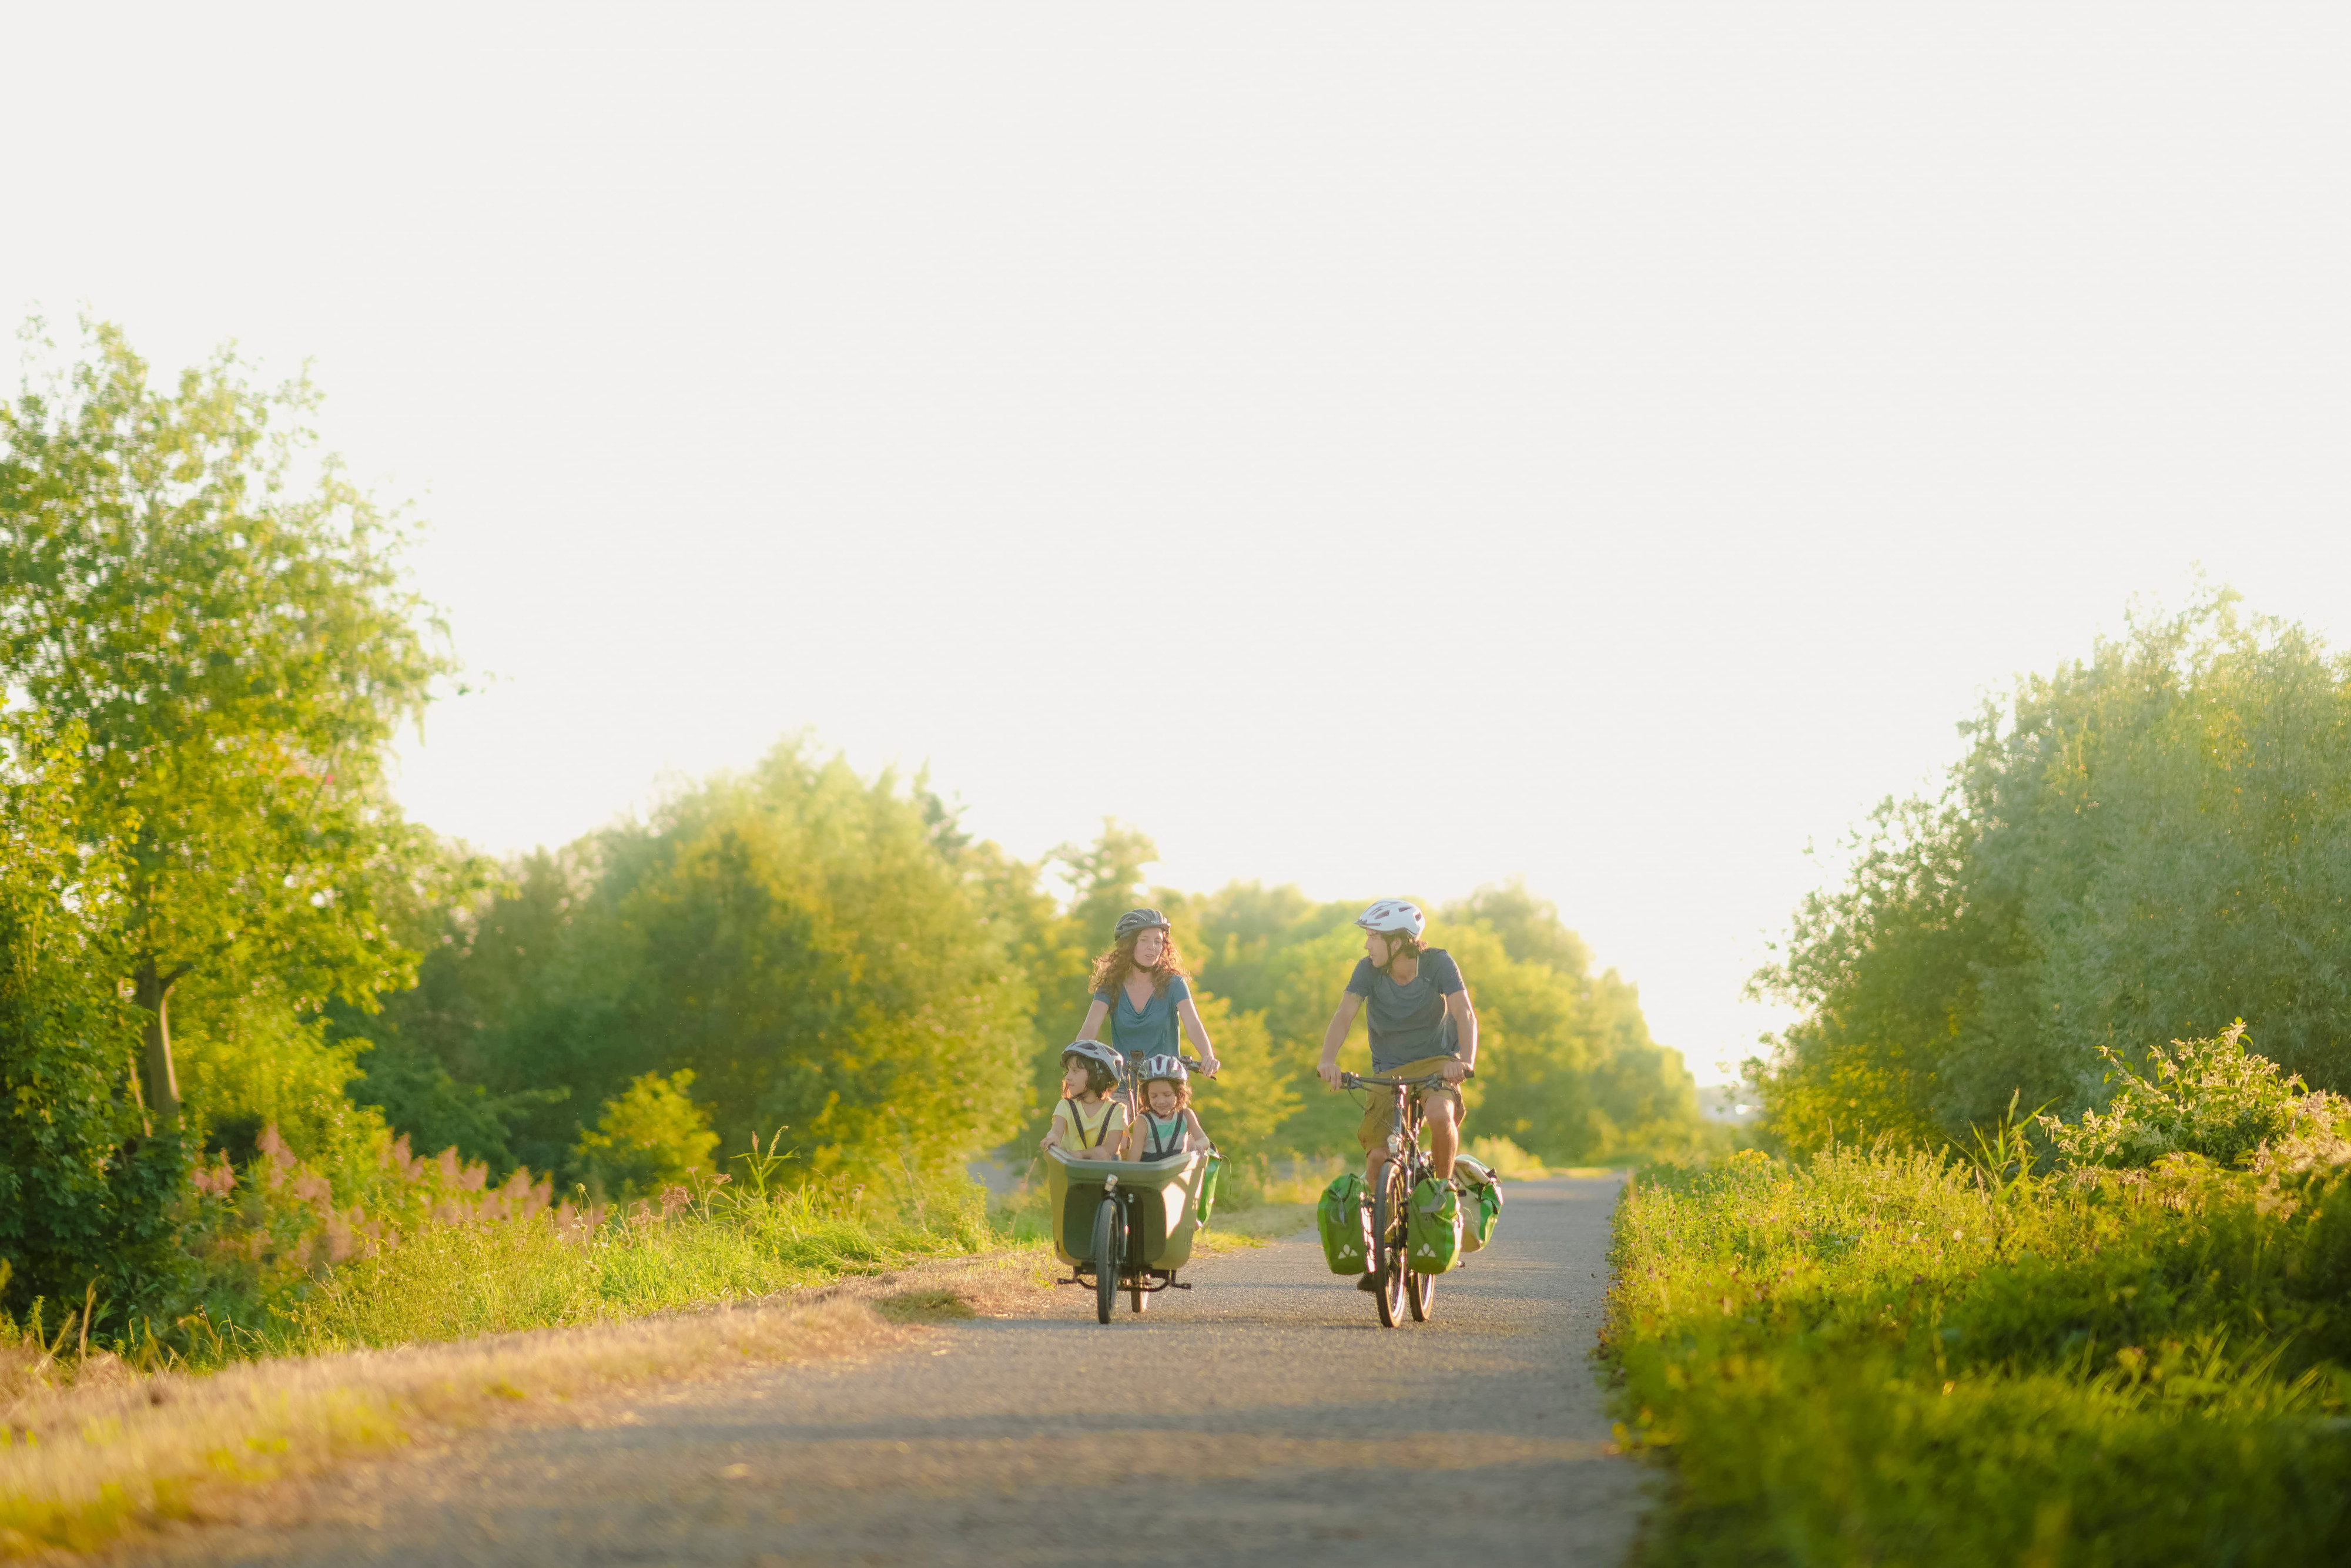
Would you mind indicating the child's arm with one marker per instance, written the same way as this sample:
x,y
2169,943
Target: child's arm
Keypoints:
x,y
1196,1137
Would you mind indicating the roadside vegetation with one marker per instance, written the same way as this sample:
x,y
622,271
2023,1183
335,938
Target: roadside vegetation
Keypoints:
x,y
2046,1258
281,1071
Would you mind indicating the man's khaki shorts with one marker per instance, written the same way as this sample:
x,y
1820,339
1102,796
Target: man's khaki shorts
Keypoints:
x,y
1380,1116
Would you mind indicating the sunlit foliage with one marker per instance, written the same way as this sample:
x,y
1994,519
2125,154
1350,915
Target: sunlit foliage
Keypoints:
x,y
2137,848
1893,1356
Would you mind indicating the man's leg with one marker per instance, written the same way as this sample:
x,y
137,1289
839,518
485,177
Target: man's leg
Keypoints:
x,y
1443,1130
1375,1164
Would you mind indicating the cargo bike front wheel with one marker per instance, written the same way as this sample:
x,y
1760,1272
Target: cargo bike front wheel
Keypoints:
x,y
1109,1232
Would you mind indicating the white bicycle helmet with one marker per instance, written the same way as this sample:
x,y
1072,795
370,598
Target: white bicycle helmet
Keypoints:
x,y
1159,1067
1095,1051
1391,915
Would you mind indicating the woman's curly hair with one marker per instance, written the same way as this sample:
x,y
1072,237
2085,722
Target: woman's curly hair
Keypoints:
x,y
1113,966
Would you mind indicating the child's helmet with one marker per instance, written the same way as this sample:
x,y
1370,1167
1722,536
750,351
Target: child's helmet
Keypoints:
x,y
1161,1066
1390,915
1096,1051
1135,920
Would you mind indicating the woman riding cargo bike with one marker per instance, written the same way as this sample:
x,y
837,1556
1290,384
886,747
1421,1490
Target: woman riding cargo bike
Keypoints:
x,y
1424,1037
1126,1204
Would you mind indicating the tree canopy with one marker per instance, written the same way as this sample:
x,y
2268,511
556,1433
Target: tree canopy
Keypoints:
x,y
2141,847
222,616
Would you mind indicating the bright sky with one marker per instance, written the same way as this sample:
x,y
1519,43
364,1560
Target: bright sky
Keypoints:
x,y
1381,448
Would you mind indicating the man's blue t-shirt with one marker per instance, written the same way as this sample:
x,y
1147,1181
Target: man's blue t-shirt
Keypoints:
x,y
1409,1023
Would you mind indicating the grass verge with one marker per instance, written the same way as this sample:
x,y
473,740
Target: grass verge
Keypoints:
x,y
1253,1228
1893,1358
118,1450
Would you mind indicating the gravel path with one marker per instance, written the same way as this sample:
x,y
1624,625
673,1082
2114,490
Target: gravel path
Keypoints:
x,y
1263,1418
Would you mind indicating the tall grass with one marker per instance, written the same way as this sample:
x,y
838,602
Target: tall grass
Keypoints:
x,y
285,1268
1880,1356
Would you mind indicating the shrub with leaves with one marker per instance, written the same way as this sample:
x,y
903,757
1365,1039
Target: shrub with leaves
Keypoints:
x,y
2209,1097
651,1138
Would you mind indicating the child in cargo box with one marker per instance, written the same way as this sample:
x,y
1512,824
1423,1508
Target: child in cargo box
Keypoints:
x,y
1088,1125
1166,1129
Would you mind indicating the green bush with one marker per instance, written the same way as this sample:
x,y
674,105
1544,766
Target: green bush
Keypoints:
x,y
651,1138
2207,1097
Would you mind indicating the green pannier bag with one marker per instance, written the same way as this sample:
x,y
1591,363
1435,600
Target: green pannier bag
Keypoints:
x,y
1345,1222
1432,1228
1209,1183
1481,1203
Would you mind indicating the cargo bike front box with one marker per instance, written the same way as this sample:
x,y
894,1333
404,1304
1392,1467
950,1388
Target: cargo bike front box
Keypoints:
x,y
1127,1225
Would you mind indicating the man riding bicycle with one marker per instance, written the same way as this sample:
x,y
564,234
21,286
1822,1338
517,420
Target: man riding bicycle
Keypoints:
x,y
1422,1025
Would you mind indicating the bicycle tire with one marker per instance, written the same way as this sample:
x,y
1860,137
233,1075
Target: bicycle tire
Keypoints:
x,y
1419,1289
1106,1259
1388,1215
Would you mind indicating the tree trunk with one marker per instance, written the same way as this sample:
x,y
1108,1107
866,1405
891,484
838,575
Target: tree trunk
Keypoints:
x,y
152,991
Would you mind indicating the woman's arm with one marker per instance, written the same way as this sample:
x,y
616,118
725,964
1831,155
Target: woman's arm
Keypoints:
x,y
1099,1010
1336,1035
1199,1034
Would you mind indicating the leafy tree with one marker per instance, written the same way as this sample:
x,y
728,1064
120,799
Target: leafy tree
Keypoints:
x,y
2137,848
807,943
84,1193
486,938
222,614
1566,1067
1255,1092
1885,967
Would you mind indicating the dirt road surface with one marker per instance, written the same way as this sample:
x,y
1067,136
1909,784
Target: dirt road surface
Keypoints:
x,y
1264,1417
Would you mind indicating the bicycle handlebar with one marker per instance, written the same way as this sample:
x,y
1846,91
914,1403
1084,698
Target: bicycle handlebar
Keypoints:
x,y
1134,1061
1360,1081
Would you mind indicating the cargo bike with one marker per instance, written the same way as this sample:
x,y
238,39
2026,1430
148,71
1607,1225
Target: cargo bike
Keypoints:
x,y
1127,1225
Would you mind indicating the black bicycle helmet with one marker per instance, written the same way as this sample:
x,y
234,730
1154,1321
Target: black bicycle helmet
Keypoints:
x,y
1135,920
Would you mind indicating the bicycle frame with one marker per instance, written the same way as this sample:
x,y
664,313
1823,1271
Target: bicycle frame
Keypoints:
x,y
1407,1165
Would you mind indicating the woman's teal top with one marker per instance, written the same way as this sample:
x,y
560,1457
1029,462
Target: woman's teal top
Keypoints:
x,y
1153,1030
